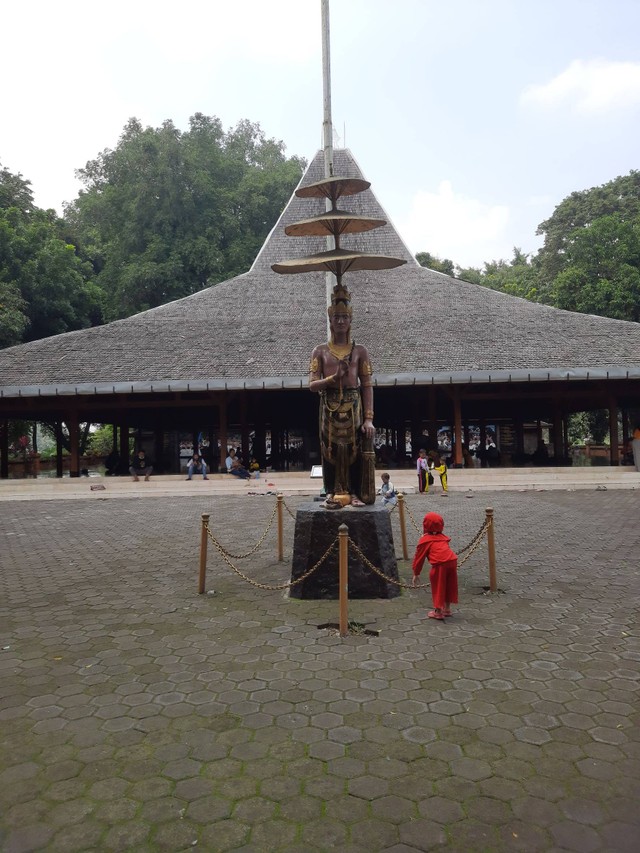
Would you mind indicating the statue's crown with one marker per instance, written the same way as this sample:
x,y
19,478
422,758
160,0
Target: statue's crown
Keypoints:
x,y
340,301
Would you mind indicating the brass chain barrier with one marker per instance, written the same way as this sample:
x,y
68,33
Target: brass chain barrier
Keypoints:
x,y
226,557
413,521
471,547
377,571
475,542
468,550
223,550
284,503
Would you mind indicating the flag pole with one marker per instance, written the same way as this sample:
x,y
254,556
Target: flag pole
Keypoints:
x,y
327,129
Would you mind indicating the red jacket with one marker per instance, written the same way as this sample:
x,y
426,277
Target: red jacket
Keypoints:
x,y
433,545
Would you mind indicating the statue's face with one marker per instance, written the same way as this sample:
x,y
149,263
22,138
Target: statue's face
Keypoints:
x,y
340,322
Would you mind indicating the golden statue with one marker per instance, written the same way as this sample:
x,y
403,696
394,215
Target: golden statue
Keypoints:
x,y
341,372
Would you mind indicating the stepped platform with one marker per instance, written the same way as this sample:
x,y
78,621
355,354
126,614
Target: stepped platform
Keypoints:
x,y
96,487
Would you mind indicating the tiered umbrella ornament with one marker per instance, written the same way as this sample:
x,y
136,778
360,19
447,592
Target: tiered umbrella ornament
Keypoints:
x,y
334,223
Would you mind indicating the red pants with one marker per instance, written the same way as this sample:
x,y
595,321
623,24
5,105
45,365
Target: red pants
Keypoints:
x,y
444,583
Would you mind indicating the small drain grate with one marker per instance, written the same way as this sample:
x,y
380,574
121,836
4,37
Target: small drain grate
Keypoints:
x,y
354,628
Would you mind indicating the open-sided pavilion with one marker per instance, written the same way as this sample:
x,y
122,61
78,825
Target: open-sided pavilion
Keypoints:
x,y
233,358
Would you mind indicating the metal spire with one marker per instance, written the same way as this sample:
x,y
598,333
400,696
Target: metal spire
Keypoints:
x,y
327,127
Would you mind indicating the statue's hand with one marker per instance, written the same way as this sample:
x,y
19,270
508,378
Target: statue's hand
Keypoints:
x,y
368,429
343,369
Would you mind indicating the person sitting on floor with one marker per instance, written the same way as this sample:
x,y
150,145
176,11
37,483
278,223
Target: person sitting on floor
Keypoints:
x,y
238,470
387,490
229,460
197,464
112,464
140,464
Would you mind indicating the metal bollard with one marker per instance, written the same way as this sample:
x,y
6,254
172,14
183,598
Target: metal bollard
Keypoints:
x,y
343,578
403,526
203,554
491,545
280,500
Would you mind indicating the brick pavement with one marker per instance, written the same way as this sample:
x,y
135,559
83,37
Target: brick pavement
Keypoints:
x,y
138,716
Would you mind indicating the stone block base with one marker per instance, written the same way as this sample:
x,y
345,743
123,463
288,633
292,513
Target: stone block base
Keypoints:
x,y
370,529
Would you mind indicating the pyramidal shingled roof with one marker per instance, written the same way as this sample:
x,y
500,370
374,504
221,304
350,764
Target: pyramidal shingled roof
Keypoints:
x,y
258,330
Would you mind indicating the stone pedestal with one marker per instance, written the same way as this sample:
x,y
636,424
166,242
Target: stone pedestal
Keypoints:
x,y
370,529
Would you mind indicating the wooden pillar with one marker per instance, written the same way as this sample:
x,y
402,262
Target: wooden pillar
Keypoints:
x,y
59,449
259,443
114,433
613,430
212,431
625,427
4,449
401,442
518,428
74,443
244,428
433,420
158,451
416,422
124,447
223,404
457,428
483,443
557,435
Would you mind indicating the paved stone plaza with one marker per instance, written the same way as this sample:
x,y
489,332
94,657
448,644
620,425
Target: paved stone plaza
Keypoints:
x,y
138,716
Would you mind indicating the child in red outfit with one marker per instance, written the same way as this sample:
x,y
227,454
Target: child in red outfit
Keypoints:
x,y
434,547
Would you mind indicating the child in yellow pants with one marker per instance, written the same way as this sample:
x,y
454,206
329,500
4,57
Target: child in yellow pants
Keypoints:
x,y
436,464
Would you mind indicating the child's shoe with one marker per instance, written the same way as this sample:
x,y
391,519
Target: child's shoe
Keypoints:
x,y
447,613
435,614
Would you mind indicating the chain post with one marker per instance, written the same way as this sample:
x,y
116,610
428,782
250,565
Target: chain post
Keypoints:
x,y
343,578
403,526
491,544
203,554
280,501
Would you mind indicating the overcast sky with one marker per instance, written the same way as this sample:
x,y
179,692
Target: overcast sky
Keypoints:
x,y
472,119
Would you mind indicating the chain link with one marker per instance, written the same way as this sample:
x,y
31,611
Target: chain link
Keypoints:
x,y
288,510
223,550
471,547
475,542
413,521
227,558
373,568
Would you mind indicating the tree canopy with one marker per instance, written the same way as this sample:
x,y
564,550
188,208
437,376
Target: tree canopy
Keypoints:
x,y
590,260
579,212
167,213
45,287
426,259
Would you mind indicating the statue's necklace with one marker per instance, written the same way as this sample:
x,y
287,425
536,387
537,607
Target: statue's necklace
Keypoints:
x,y
340,351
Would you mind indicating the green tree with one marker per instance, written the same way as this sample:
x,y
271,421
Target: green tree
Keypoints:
x,y
15,191
426,259
602,271
167,213
13,318
471,274
518,277
45,287
578,212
